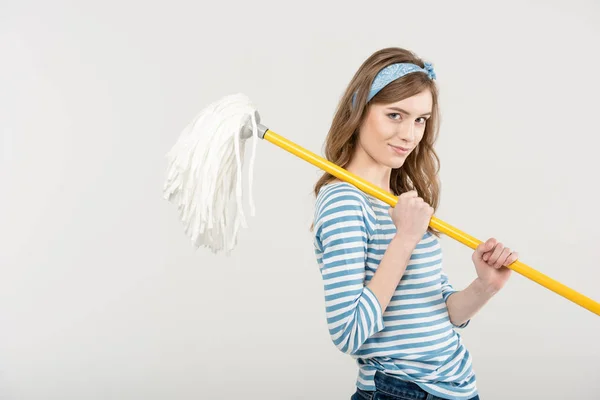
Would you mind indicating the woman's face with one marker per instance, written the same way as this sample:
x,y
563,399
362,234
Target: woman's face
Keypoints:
x,y
390,132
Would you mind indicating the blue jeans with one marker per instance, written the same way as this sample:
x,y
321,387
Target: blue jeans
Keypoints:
x,y
391,388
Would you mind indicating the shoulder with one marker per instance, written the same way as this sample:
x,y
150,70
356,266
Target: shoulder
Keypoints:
x,y
343,203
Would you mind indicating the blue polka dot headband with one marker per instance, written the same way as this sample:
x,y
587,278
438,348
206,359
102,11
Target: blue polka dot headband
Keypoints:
x,y
393,72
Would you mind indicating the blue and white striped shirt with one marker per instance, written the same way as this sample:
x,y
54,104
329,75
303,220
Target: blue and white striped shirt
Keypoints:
x,y
414,338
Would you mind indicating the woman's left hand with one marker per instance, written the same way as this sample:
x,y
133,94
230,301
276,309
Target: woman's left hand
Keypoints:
x,y
491,259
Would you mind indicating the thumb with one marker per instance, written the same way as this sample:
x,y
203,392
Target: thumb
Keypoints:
x,y
484,247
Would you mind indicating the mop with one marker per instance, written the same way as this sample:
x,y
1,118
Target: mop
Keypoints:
x,y
204,182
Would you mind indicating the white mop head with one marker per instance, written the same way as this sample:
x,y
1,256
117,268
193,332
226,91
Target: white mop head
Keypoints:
x,y
204,176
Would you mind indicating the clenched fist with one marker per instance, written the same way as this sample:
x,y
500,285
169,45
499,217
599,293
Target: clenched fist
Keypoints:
x,y
491,259
411,215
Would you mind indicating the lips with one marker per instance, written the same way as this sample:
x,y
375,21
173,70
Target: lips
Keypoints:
x,y
399,149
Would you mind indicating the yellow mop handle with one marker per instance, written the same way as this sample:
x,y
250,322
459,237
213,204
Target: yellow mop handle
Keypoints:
x,y
435,223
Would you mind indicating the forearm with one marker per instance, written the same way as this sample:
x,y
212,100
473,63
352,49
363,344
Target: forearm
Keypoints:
x,y
391,269
463,305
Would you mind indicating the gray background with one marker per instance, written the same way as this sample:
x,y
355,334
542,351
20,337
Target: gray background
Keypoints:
x,y
101,294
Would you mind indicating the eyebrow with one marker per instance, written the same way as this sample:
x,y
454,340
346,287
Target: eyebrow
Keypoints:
x,y
406,112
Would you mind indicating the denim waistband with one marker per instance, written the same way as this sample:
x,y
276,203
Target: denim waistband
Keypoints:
x,y
397,387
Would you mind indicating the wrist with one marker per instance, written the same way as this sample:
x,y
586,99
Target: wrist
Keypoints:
x,y
404,241
484,289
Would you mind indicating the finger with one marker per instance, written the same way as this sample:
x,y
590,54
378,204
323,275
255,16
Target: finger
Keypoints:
x,y
416,202
428,210
410,193
496,254
485,247
503,257
514,256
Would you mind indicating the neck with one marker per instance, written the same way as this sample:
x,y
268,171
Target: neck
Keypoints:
x,y
370,170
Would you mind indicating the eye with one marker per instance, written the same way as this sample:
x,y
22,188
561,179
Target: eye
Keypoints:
x,y
422,120
394,116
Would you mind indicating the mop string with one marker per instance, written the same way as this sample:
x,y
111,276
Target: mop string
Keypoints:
x,y
204,173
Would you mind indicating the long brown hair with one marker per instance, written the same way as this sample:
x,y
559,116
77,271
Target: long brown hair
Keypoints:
x,y
420,170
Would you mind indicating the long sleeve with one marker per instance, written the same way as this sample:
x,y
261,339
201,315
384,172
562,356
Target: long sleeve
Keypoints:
x,y
343,223
447,291
447,288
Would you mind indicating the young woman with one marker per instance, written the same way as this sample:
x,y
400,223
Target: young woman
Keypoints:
x,y
388,301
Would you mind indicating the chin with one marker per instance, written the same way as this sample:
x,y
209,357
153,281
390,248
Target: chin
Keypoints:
x,y
394,162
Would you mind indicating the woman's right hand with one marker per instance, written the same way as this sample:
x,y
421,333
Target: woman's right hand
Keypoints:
x,y
411,216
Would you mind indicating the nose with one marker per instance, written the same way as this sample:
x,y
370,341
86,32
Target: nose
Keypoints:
x,y
407,132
